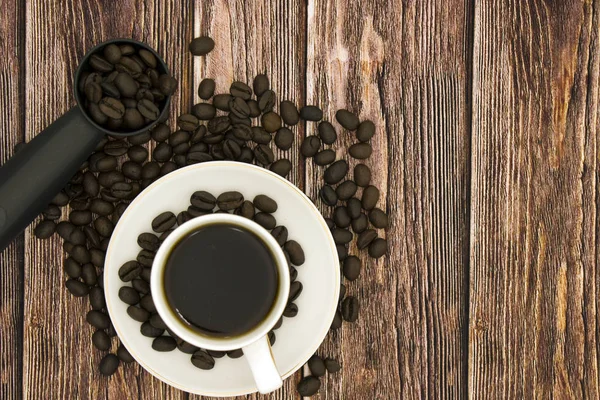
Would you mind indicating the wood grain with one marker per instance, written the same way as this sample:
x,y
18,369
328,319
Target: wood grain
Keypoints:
x,y
59,360
252,38
403,65
12,106
534,227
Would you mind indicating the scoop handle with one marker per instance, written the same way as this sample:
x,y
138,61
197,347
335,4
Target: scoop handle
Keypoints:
x,y
32,177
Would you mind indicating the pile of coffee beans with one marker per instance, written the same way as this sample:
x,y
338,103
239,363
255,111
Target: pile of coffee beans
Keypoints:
x,y
137,272
125,88
241,125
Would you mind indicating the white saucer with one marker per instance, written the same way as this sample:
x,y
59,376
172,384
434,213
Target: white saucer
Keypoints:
x,y
297,339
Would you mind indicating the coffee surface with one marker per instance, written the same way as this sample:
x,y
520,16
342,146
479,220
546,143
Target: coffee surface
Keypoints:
x,y
221,279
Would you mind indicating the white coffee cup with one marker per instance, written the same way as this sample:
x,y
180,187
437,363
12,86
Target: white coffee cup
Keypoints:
x,y
254,343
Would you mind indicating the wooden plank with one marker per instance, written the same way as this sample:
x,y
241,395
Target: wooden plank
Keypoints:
x,y
12,102
534,225
403,65
252,38
59,360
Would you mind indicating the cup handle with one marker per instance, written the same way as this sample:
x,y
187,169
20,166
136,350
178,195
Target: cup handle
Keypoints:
x,y
260,359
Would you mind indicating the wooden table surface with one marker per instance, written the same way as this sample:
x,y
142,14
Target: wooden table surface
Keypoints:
x,y
487,144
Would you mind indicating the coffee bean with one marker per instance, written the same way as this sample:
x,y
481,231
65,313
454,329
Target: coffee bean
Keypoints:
x,y
73,191
281,167
341,217
97,319
101,340
93,92
201,46
138,314
247,155
77,237
337,321
221,102
77,289
365,238
88,274
150,170
121,190
378,218
332,365
72,268
351,268
130,270
160,133
295,290
244,133
124,355
64,229
316,365
350,308
336,172
324,157
167,84
239,107
271,121
130,65
264,154
161,153
330,223
310,146
163,222
346,190
218,124
327,132
253,109
260,84
342,236
44,229
80,254
157,322
245,210
347,119
290,311
311,113
90,184
265,220
295,251
197,157
104,226
97,116
231,149
284,138
260,136
289,113
107,179
149,331
213,138
96,298
378,248
216,354
100,64
133,120
360,151
111,107
328,195
137,154
141,286
230,200
354,206
146,258
106,164
167,168
101,207
370,197
280,233
148,109
235,353
164,344
308,386
240,89
265,203
206,89
266,101
183,217
178,138
201,359
187,122
61,199
133,170
108,365
112,53
185,347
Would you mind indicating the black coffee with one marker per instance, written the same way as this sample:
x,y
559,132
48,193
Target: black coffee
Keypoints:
x,y
221,279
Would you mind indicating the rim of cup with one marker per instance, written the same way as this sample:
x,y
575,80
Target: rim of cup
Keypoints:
x,y
193,336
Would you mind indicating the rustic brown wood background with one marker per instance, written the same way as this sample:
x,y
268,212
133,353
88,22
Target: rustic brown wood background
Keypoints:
x,y
487,115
